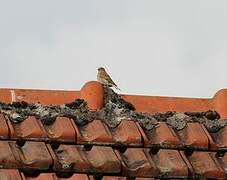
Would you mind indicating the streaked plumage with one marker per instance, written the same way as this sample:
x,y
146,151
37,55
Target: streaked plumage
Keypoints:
x,y
104,78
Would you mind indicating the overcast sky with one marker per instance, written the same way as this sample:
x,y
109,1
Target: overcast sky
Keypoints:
x,y
167,48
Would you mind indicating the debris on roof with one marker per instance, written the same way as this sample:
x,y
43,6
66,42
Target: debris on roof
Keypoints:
x,y
113,111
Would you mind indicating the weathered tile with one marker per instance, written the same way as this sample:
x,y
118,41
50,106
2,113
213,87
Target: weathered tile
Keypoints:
x,y
205,165
170,164
127,133
4,130
161,136
10,174
61,130
138,163
193,136
29,129
94,132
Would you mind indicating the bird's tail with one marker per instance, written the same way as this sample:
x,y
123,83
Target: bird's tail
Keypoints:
x,y
117,88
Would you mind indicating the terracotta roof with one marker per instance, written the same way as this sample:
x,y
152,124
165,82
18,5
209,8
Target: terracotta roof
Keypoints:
x,y
33,150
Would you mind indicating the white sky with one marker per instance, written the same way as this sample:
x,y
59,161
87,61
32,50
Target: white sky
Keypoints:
x,y
173,48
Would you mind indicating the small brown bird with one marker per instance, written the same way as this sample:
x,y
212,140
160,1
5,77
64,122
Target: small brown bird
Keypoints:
x,y
105,79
